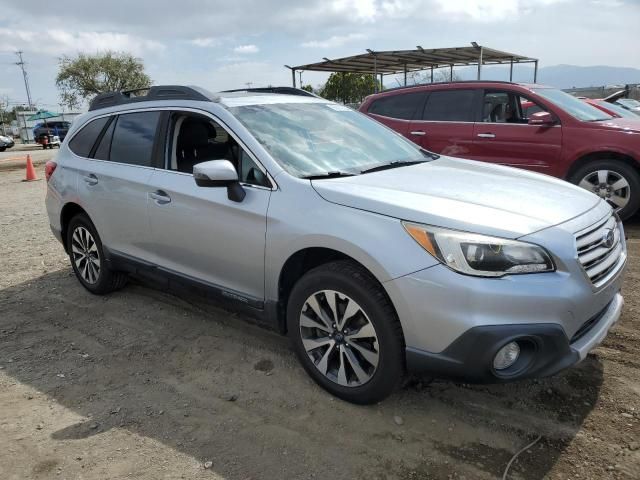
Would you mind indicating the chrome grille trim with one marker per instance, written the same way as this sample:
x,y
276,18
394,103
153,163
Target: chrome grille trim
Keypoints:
x,y
597,259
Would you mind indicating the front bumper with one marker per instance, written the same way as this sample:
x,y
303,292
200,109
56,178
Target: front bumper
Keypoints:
x,y
545,349
454,324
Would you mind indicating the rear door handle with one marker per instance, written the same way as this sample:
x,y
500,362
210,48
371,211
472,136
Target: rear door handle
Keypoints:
x,y
487,135
418,132
160,197
90,179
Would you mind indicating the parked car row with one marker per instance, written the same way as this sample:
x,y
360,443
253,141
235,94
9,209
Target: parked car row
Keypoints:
x,y
527,126
374,255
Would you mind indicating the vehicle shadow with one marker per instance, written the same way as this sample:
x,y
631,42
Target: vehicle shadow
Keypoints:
x,y
205,383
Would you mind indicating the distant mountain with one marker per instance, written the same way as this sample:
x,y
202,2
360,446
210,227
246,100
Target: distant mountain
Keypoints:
x,y
560,76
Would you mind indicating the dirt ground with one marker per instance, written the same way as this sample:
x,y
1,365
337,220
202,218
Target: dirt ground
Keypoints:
x,y
147,384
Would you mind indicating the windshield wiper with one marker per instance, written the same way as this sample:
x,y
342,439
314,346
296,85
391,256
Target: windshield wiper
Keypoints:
x,y
390,165
320,176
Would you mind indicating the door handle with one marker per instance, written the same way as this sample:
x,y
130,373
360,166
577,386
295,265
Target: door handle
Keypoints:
x,y
160,197
90,179
418,132
487,135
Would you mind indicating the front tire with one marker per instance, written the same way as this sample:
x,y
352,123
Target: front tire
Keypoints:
x,y
346,333
88,260
614,181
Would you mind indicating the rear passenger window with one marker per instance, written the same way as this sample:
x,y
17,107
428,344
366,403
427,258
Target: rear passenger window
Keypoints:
x,y
133,138
450,106
102,152
82,142
397,106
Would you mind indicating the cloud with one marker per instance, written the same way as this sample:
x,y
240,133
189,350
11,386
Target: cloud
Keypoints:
x,y
335,41
246,49
60,42
205,42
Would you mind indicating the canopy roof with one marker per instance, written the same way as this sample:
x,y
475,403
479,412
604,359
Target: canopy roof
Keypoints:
x,y
399,61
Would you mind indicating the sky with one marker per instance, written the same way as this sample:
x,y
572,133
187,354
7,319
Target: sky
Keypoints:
x,y
223,45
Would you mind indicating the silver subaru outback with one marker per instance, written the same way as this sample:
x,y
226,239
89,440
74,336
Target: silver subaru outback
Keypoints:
x,y
374,256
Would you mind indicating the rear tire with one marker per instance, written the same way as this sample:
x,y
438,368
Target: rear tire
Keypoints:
x,y
356,353
603,176
88,260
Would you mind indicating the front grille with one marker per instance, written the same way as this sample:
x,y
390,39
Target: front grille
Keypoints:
x,y
596,257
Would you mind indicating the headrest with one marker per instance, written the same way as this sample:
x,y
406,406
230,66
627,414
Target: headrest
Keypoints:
x,y
195,134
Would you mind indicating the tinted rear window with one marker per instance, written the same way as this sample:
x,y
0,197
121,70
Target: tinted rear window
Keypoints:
x,y
450,106
83,141
133,138
397,106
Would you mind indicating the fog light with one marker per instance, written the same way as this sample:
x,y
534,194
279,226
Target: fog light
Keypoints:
x,y
506,356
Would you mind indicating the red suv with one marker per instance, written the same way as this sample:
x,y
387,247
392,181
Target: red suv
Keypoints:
x,y
557,134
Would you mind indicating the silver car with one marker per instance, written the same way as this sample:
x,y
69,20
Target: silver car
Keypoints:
x,y
377,258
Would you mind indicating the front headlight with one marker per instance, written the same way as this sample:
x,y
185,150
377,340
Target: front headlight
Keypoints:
x,y
480,255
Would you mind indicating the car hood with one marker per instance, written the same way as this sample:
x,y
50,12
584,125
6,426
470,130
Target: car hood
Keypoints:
x,y
463,195
623,124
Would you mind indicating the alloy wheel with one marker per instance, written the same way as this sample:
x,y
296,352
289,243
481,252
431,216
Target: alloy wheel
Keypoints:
x,y
85,255
610,185
339,338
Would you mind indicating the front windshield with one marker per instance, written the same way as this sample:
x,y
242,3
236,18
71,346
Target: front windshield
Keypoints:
x,y
617,109
309,139
574,107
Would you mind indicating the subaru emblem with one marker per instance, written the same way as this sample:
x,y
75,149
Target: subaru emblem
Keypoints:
x,y
608,237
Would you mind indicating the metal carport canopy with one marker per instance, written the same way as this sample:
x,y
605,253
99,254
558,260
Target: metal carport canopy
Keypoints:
x,y
403,61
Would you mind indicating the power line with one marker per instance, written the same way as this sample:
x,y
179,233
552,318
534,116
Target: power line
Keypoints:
x,y
26,78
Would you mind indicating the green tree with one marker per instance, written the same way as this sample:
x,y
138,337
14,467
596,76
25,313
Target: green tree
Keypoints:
x,y
307,88
349,87
82,77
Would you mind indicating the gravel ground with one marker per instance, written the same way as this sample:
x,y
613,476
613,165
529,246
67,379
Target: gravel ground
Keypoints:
x,y
147,384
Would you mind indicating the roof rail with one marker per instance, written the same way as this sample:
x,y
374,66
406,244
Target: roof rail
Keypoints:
x,y
446,82
280,90
159,92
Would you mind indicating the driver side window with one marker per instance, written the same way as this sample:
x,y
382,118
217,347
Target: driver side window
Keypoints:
x,y
193,139
507,107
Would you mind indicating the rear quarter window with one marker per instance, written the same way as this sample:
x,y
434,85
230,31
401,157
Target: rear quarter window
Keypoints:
x,y
83,141
402,106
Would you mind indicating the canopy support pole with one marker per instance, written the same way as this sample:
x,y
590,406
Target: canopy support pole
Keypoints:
x,y
535,72
480,64
375,74
511,70
405,74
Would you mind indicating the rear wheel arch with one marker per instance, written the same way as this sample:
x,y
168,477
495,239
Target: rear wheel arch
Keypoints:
x,y
69,211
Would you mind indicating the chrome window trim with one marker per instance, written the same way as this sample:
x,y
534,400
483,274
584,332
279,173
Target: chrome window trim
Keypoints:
x,y
181,109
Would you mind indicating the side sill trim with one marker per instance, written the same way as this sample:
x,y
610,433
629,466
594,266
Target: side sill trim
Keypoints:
x,y
251,306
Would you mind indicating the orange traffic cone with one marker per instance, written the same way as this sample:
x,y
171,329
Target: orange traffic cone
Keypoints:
x,y
31,172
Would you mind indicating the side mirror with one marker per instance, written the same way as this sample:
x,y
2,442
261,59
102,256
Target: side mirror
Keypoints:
x,y
219,173
542,119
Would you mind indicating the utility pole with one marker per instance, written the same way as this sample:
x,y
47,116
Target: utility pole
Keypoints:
x,y
26,78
